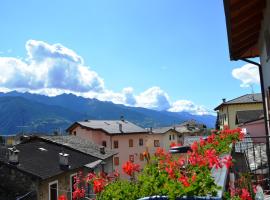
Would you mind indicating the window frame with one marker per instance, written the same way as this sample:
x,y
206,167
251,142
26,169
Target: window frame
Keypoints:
x,y
141,157
156,143
130,143
104,142
71,183
131,158
49,188
140,141
114,160
114,144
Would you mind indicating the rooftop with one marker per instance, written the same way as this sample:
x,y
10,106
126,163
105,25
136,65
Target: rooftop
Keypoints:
x,y
248,115
41,158
245,99
79,144
110,126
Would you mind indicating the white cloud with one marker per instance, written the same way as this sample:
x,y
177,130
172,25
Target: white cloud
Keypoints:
x,y
188,106
53,69
48,67
153,98
247,74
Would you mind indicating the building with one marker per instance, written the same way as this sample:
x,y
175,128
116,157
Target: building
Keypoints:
x,y
227,110
248,31
125,138
177,134
40,169
162,137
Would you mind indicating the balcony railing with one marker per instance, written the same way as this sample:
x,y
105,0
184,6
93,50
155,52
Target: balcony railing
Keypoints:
x,y
251,158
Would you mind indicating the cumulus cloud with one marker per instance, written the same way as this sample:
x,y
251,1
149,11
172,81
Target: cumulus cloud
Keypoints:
x,y
53,69
153,98
48,67
247,74
188,106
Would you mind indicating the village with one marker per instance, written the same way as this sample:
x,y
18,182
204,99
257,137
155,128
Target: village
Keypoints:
x,y
49,166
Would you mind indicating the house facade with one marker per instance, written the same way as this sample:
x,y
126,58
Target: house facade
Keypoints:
x,y
227,110
248,31
40,169
123,137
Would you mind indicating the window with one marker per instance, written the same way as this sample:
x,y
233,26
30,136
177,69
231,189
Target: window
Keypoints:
x,y
141,142
72,182
141,157
173,136
170,137
104,143
74,133
131,158
115,144
130,143
116,161
156,143
53,190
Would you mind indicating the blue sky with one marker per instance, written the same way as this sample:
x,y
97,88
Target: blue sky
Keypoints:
x,y
164,53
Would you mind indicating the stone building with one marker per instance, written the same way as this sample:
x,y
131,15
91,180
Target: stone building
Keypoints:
x,y
41,169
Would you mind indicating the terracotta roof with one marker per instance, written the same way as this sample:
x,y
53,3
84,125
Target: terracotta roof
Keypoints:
x,y
243,21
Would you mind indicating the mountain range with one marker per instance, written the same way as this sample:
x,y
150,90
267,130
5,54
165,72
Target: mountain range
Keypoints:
x,y
26,112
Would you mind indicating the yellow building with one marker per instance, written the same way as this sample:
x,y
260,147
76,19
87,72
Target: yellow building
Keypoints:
x,y
227,109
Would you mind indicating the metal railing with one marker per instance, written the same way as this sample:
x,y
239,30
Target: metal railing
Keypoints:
x,y
251,158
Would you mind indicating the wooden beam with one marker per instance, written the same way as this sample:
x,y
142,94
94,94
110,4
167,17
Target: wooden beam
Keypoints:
x,y
250,53
245,47
254,17
240,28
246,33
243,14
240,43
234,7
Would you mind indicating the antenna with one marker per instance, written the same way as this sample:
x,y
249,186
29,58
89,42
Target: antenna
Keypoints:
x,y
252,92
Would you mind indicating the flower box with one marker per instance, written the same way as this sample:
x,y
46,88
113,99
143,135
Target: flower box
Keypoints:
x,y
220,176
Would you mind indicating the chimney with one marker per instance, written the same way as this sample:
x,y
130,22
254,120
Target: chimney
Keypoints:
x,y
122,118
64,160
223,100
120,127
102,150
13,156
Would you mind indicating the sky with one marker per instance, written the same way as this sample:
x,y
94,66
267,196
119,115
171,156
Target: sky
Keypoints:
x,y
164,55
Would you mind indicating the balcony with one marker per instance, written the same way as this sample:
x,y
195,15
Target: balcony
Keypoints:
x,y
251,159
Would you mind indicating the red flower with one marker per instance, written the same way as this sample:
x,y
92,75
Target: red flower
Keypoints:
x,y
173,144
129,168
184,180
194,146
193,178
62,197
99,185
78,193
160,152
245,195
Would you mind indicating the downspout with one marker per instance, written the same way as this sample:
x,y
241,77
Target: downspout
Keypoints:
x,y
264,107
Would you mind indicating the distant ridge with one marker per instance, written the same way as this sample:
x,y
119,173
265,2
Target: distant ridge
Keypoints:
x,y
26,112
